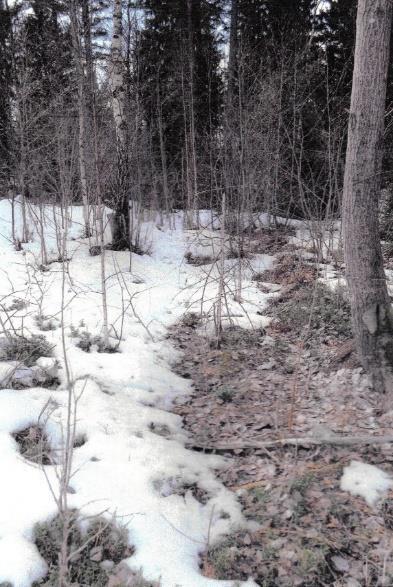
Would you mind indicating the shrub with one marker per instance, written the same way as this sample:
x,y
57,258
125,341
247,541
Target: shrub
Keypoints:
x,y
290,269
191,319
88,341
25,349
45,323
242,337
198,260
226,394
326,312
34,445
95,250
17,305
103,541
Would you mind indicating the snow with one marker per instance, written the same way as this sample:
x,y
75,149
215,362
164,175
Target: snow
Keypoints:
x,y
15,549
121,400
367,481
6,371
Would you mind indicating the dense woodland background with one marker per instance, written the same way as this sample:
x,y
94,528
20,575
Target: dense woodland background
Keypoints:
x,y
247,97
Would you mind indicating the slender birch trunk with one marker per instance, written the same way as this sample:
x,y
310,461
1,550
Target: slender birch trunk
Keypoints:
x,y
121,220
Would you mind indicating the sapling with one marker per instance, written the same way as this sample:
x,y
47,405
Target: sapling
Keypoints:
x,y
221,283
105,325
82,113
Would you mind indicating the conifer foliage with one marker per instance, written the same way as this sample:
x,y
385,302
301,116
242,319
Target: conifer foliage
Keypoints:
x,y
247,97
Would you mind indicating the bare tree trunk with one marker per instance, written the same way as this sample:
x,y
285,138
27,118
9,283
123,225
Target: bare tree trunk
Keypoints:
x,y
192,169
117,80
90,76
121,236
77,50
164,165
232,59
370,305
230,120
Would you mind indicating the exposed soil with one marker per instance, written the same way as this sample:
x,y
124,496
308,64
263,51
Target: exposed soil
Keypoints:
x,y
279,383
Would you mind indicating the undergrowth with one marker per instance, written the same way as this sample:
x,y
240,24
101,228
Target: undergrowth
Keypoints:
x,y
33,445
198,260
88,342
103,541
313,307
25,349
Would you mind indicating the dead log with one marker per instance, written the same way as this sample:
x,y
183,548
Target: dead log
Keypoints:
x,y
304,441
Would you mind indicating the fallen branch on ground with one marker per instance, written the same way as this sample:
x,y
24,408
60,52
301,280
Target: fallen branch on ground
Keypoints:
x,y
332,440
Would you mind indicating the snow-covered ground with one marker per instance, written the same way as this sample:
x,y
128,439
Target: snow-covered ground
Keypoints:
x,y
125,467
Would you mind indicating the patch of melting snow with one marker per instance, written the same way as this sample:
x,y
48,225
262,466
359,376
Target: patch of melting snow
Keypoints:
x,y
15,548
117,466
367,481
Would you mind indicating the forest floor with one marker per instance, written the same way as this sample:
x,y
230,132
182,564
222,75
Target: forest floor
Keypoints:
x,y
167,480
297,377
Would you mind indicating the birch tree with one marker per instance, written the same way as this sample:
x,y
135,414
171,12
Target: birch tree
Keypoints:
x,y
121,219
370,304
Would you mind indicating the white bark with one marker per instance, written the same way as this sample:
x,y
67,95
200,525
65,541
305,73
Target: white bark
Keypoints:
x,y
121,236
117,78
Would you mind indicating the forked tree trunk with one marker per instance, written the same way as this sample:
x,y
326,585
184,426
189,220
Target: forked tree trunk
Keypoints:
x,y
121,218
371,309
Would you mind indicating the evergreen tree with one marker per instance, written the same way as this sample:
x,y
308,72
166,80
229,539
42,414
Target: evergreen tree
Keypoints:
x,y
337,32
336,36
5,94
275,44
171,33
47,47
271,29
44,62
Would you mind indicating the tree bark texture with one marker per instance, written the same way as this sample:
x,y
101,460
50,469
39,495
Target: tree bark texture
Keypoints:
x,y
370,304
121,224
82,140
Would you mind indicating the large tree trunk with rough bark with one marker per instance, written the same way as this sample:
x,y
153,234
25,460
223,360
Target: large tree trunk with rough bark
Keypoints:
x,y
370,304
121,218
